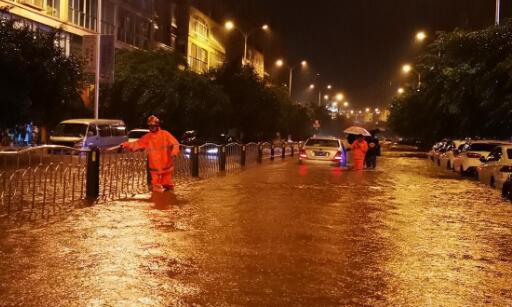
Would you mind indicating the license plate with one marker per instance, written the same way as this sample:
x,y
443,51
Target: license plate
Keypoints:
x,y
320,154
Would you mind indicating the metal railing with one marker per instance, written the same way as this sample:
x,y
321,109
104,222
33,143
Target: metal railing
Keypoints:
x,y
41,181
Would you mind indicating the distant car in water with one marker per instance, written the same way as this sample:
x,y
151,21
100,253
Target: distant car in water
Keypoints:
x,y
323,149
469,158
135,134
436,151
496,167
451,150
506,190
211,144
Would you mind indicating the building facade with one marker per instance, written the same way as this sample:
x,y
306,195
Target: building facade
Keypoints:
x,y
132,23
205,48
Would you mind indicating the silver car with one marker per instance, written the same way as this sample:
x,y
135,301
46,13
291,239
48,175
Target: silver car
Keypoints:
x,y
323,149
88,133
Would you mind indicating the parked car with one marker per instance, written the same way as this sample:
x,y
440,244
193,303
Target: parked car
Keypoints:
x,y
452,149
496,167
135,134
506,190
87,133
191,138
469,158
434,152
323,149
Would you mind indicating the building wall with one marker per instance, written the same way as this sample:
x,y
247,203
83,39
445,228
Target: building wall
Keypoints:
x,y
205,50
134,23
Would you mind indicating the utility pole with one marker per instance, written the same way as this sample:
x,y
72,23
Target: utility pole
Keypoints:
x,y
290,80
497,17
98,62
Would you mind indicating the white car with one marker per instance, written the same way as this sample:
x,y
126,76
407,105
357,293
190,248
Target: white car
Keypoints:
x,y
496,167
135,134
453,148
89,133
434,152
323,149
469,158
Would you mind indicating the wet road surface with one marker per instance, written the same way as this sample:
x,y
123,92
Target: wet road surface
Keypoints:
x,y
407,234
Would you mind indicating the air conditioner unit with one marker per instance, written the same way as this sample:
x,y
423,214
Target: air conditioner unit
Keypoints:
x,y
38,4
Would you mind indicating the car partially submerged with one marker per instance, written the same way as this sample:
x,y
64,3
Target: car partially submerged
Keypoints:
x,y
323,149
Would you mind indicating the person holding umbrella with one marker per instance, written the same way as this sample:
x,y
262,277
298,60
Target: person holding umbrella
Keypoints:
x,y
359,145
359,149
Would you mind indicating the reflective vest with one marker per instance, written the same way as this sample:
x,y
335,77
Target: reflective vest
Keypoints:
x,y
160,147
359,149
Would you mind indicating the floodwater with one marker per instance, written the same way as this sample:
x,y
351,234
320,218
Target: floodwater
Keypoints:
x,y
406,234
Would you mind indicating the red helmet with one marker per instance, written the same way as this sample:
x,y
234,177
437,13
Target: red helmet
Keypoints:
x,y
153,121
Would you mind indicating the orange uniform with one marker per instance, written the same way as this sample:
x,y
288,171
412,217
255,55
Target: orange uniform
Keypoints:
x,y
160,147
359,149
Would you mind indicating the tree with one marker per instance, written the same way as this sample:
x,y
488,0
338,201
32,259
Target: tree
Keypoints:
x,y
467,87
38,82
155,82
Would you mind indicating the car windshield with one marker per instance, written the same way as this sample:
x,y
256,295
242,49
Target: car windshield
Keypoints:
x,y
136,134
482,146
322,143
76,130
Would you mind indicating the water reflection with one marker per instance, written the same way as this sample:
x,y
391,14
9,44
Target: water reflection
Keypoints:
x,y
405,234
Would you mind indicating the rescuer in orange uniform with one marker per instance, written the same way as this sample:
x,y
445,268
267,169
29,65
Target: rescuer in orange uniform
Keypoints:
x,y
161,147
359,149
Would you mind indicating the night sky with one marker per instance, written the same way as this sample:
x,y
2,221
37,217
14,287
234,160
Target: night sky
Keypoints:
x,y
357,45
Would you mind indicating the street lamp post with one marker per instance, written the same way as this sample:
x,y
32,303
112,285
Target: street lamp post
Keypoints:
x,y
497,16
280,63
230,25
98,61
407,68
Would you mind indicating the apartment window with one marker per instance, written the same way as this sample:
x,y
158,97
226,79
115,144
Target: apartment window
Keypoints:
x,y
52,7
198,59
37,4
199,27
133,30
83,13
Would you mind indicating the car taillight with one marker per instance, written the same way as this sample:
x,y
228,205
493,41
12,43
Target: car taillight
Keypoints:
x,y
302,154
473,155
506,169
338,156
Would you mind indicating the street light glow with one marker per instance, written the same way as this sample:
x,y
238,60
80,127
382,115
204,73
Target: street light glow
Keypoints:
x,y
311,86
345,104
304,63
401,91
406,68
339,97
279,63
265,27
421,36
229,25
367,110
326,97
377,110
329,87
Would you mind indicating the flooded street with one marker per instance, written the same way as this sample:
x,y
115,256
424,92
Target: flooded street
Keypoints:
x,y
283,234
